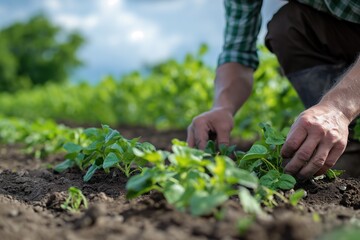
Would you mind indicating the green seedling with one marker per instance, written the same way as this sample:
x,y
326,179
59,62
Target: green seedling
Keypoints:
x,y
295,198
264,160
38,138
75,200
333,173
200,181
222,149
190,179
107,149
193,181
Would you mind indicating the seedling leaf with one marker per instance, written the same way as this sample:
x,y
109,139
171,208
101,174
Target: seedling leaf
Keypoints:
x,y
203,202
140,184
110,160
333,173
296,197
249,203
64,165
90,172
276,180
286,182
173,192
72,147
256,151
271,136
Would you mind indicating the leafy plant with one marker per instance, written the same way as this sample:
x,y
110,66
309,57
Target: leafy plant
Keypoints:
x,y
223,149
40,137
200,181
264,160
108,149
75,200
193,180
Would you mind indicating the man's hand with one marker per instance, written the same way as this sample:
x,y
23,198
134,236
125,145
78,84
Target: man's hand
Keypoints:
x,y
315,141
233,86
218,121
319,136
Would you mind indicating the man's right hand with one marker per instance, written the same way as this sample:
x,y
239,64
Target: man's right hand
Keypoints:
x,y
233,85
217,120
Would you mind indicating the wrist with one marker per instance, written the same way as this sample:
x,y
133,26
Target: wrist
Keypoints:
x,y
345,96
343,100
227,109
233,85
334,106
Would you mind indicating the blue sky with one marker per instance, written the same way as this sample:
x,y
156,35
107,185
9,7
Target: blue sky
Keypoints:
x,y
124,35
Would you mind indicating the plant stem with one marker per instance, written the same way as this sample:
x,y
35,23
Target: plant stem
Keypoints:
x,y
269,163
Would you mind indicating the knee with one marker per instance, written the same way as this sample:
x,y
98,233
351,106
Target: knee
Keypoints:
x,y
283,28
285,37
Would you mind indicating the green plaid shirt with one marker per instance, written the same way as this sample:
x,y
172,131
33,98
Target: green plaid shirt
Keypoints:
x,y
243,21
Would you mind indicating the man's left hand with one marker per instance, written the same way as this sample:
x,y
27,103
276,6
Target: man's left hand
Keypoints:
x,y
315,141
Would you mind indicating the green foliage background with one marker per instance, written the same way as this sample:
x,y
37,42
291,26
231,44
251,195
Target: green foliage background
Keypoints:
x,y
36,52
169,96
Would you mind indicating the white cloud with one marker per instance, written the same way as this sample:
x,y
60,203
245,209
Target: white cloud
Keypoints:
x,y
109,5
121,33
84,23
137,36
53,5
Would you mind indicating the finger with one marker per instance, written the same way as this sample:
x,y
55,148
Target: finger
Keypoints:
x,y
321,171
190,137
223,137
316,162
294,140
201,135
332,158
302,155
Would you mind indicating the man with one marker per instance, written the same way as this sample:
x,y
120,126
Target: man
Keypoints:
x,y
317,43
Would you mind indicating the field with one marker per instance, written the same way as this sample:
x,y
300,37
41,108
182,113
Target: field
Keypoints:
x,y
63,175
32,192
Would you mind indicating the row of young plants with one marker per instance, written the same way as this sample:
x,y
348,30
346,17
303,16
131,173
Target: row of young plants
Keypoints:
x,y
167,95
190,179
39,137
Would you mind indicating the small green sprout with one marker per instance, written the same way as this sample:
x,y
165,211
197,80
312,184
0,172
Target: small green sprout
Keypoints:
x,y
295,198
333,173
74,201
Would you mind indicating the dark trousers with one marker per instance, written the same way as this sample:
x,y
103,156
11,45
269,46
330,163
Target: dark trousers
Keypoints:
x,y
314,50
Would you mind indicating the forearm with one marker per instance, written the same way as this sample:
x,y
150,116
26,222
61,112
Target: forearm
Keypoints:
x,y
233,86
345,96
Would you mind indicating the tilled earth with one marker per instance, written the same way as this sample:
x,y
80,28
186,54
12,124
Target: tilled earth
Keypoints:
x,y
31,194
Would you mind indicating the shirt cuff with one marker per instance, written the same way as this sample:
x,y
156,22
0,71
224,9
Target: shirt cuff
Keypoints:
x,y
248,59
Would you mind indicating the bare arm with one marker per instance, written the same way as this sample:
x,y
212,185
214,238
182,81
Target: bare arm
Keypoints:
x,y
345,96
233,86
319,136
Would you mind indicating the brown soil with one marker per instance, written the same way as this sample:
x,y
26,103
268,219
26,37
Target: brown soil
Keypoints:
x,y
31,194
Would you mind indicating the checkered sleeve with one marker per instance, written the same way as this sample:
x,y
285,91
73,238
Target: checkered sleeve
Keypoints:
x,y
243,21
